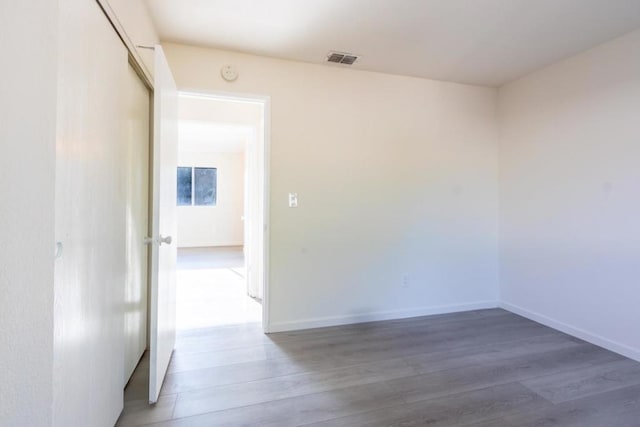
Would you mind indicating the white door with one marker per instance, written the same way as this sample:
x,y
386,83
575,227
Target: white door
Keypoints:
x,y
90,205
137,217
162,328
254,216
249,217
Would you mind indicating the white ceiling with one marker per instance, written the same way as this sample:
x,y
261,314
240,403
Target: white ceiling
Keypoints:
x,y
486,42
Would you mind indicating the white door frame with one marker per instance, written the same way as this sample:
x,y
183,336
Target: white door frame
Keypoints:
x,y
266,102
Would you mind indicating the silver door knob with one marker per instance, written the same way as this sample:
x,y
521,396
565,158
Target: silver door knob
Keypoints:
x,y
159,241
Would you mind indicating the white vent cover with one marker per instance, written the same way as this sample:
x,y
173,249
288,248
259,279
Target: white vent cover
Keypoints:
x,y
341,58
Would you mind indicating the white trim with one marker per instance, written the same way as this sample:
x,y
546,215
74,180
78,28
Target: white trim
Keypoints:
x,y
265,100
320,322
266,323
596,339
226,96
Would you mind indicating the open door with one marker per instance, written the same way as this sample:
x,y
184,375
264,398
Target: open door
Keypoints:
x,y
249,217
254,212
162,304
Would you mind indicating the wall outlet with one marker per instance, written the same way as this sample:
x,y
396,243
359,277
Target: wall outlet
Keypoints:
x,y
405,280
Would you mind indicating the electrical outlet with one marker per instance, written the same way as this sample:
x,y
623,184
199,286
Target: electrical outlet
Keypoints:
x,y
405,280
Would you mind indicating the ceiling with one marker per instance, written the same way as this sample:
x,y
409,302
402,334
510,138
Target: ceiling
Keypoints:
x,y
484,42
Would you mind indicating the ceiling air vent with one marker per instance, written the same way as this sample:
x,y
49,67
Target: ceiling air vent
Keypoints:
x,y
341,58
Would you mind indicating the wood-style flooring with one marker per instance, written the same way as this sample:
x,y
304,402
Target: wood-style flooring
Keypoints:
x,y
212,289
477,368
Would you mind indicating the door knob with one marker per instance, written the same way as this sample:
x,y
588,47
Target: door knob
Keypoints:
x,y
58,250
159,241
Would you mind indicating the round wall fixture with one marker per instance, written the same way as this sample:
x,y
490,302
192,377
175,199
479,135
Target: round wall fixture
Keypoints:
x,y
229,73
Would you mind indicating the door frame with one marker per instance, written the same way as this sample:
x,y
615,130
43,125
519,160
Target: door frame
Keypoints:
x,y
265,100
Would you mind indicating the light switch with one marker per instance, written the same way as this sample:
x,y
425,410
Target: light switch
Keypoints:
x,y
293,200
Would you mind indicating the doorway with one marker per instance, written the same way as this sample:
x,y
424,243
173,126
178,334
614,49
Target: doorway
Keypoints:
x,y
221,205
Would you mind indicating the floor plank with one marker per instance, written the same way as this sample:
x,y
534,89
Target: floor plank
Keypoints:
x,y
592,380
618,408
426,363
460,409
298,410
236,395
485,374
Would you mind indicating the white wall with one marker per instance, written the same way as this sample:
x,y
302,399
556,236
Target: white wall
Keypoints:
x,y
27,168
219,225
570,195
395,176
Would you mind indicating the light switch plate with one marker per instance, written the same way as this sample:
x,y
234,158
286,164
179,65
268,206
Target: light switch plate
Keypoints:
x,y
293,200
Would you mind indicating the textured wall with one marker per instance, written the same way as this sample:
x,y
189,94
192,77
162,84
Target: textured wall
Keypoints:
x,y
27,164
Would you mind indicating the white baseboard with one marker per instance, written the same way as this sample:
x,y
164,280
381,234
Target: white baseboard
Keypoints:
x,y
320,322
598,340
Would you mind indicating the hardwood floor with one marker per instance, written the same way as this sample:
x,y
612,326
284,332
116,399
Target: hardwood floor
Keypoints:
x,y
478,368
212,289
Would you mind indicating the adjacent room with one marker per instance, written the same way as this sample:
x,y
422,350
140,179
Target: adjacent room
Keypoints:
x,y
217,178
320,213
